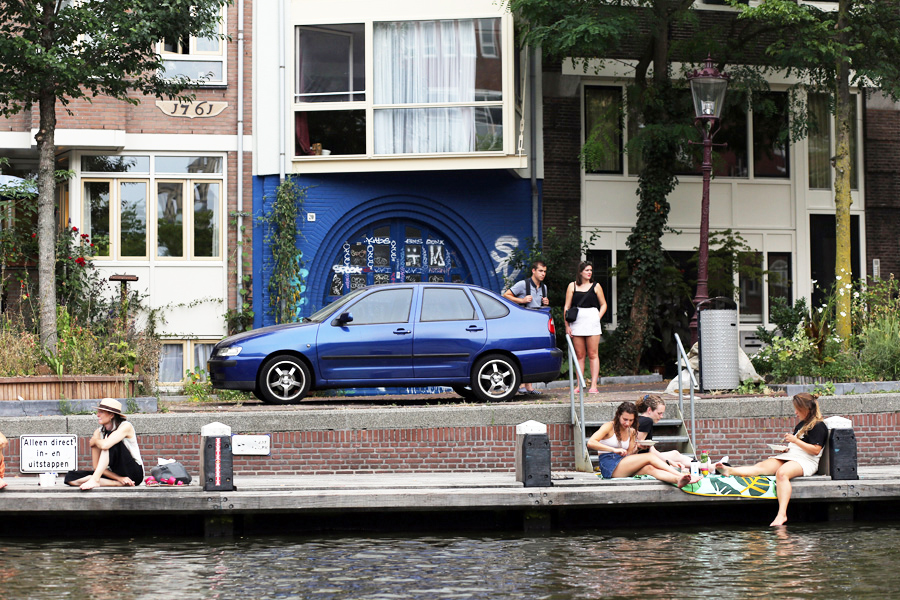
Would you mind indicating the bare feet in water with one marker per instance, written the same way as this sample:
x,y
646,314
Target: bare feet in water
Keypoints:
x,y
778,522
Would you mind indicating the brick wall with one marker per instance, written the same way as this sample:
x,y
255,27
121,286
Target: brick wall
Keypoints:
x,y
464,449
562,171
744,440
882,154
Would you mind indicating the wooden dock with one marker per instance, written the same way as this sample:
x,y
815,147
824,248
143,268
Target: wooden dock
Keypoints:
x,y
417,501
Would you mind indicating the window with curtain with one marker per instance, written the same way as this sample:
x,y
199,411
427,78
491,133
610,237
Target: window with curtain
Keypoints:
x,y
435,87
821,142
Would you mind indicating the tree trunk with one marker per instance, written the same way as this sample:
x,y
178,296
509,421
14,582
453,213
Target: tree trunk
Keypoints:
x,y
46,220
842,197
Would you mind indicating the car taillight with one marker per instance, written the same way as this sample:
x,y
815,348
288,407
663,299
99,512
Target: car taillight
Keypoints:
x,y
551,326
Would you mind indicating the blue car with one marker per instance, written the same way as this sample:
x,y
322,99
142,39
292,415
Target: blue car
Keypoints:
x,y
403,334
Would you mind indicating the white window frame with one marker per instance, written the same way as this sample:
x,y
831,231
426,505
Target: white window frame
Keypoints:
x,y
194,55
369,105
152,180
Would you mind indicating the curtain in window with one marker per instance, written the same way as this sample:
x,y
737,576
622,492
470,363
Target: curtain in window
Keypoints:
x,y
819,142
171,362
425,62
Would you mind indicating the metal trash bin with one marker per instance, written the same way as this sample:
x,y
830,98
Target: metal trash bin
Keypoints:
x,y
719,340
216,458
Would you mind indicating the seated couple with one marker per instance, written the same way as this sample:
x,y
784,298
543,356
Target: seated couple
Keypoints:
x,y
618,456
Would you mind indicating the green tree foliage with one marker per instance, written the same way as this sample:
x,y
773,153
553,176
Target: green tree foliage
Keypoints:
x,y
653,34
832,51
281,230
56,52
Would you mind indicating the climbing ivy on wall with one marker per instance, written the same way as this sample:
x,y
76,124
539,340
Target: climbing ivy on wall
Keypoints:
x,y
282,229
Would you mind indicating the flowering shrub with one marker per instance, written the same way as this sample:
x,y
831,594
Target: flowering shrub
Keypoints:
x,y
813,350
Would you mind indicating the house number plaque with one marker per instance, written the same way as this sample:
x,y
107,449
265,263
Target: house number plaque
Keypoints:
x,y
191,110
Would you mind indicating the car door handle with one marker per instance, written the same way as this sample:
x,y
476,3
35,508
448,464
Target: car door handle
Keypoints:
x,y
402,331
474,328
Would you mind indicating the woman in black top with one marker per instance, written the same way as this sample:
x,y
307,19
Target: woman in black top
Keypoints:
x,y
652,408
586,329
801,458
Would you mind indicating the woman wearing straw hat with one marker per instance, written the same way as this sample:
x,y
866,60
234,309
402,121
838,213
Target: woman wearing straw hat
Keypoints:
x,y
115,455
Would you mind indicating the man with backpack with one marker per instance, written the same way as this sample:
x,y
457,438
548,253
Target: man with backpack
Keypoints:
x,y
530,293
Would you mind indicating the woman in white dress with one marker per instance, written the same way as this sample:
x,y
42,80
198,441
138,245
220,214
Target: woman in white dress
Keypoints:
x,y
586,329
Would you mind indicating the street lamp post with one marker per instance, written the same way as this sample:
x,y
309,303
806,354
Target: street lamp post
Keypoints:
x,y
708,89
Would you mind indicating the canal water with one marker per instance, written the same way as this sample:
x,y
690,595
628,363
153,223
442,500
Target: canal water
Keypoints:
x,y
815,561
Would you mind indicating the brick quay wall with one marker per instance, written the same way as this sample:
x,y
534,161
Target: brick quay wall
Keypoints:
x,y
466,438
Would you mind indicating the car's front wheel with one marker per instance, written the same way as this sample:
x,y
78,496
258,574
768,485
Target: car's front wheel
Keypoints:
x,y
495,378
283,379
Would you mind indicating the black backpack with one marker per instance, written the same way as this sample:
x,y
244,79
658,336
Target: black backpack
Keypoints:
x,y
528,288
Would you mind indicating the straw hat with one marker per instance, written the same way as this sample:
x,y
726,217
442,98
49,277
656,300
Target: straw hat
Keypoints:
x,y
112,406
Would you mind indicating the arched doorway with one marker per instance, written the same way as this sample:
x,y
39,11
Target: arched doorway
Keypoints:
x,y
394,250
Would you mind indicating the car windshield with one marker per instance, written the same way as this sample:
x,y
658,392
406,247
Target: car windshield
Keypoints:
x,y
321,315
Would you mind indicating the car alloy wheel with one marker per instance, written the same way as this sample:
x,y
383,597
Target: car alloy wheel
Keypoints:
x,y
284,380
495,377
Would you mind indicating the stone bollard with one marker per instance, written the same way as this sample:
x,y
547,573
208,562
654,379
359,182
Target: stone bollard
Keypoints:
x,y
533,454
216,458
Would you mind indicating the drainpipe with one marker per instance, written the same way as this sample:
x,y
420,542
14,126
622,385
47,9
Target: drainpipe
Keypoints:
x,y
282,104
532,109
239,267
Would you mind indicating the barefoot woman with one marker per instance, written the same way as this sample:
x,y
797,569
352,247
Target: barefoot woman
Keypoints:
x,y
115,454
800,459
616,443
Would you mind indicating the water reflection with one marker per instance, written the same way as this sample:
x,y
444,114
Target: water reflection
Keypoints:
x,y
815,561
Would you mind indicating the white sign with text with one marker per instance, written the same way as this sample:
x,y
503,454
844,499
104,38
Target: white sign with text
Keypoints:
x,y
251,445
48,453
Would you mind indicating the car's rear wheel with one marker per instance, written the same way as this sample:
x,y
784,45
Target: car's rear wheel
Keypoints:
x,y
465,391
283,379
495,378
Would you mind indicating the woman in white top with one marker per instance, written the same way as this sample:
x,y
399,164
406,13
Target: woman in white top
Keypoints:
x,y
115,455
586,329
616,444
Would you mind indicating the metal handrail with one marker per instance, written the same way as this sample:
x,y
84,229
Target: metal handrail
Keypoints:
x,y
582,459
682,355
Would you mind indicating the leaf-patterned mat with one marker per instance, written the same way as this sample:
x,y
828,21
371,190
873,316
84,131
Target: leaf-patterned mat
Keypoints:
x,y
762,486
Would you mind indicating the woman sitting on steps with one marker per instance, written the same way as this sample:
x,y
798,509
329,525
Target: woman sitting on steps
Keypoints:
x,y
616,444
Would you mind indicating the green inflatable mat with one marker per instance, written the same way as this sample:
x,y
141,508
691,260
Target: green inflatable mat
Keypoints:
x,y
761,486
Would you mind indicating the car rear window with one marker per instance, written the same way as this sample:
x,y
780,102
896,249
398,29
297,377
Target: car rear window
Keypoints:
x,y
446,304
490,306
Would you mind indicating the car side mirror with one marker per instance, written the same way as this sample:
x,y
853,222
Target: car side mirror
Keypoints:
x,y
344,317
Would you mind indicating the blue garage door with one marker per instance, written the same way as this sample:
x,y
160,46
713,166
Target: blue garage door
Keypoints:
x,y
394,251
